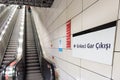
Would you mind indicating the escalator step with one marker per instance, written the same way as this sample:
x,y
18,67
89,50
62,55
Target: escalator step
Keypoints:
x,y
31,51
13,42
12,47
10,52
32,61
31,47
34,71
8,59
31,58
31,55
5,62
33,68
31,43
34,76
32,64
30,40
9,55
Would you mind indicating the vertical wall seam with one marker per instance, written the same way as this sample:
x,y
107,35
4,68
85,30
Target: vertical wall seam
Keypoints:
x,y
81,29
115,40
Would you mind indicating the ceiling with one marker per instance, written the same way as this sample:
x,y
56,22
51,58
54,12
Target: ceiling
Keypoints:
x,y
37,3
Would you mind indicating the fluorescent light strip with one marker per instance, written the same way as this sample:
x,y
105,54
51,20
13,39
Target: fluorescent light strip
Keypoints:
x,y
20,40
19,50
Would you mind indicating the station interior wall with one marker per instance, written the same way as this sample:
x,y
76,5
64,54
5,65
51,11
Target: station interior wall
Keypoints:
x,y
84,14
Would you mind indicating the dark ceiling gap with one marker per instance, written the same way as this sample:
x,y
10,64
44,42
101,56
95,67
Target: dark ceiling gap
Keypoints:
x,y
37,3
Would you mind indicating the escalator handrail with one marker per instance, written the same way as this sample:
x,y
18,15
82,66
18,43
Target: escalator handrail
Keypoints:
x,y
17,63
51,68
4,68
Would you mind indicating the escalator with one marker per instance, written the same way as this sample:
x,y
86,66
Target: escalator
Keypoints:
x,y
31,57
11,49
28,61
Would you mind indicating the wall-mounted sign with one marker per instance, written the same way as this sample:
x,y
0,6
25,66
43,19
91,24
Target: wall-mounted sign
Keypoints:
x,y
95,44
68,34
60,49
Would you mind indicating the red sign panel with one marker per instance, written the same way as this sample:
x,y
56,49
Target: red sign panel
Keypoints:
x,y
68,34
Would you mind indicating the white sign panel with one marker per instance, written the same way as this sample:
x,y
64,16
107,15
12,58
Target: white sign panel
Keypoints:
x,y
95,46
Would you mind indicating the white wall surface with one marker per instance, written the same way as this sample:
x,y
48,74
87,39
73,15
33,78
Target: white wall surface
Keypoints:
x,y
84,14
